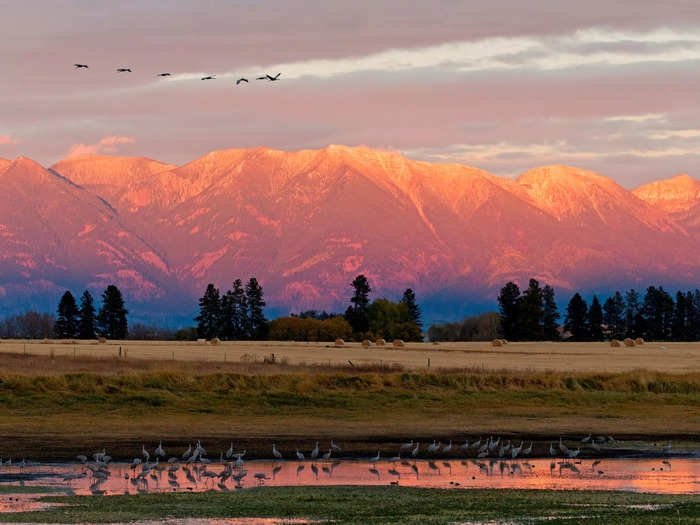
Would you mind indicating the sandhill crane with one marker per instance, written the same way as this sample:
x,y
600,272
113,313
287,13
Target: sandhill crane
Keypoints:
x,y
327,455
81,458
477,443
516,450
432,449
163,74
172,460
135,463
276,453
448,448
80,66
159,451
465,446
668,447
406,446
415,450
528,450
376,458
229,452
552,452
595,446
209,77
145,453
300,455
269,77
314,452
396,459
261,477
124,70
334,447
573,453
563,447
187,452
587,438
242,79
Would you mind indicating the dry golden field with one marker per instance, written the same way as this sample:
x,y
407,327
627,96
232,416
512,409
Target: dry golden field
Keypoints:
x,y
536,357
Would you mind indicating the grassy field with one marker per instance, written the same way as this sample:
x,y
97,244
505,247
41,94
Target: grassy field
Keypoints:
x,y
374,505
540,356
58,407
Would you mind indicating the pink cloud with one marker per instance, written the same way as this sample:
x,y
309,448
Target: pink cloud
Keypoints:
x,y
105,145
6,139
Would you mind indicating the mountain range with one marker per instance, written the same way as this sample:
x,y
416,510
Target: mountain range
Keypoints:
x,y
306,222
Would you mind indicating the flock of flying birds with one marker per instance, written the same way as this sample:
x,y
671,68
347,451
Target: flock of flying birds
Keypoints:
x,y
266,76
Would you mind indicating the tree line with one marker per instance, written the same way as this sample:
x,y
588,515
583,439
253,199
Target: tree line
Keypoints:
x,y
533,315
85,322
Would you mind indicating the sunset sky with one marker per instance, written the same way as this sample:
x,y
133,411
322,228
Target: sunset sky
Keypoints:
x,y
504,85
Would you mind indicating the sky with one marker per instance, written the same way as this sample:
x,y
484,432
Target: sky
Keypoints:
x,y
503,85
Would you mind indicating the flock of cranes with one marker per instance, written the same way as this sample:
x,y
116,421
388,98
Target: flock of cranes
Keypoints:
x,y
266,76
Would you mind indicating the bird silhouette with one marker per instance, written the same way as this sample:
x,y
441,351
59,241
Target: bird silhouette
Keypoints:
x,y
269,77
80,66
209,77
124,70
163,74
241,80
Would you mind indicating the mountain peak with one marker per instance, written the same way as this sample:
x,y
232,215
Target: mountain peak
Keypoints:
x,y
674,195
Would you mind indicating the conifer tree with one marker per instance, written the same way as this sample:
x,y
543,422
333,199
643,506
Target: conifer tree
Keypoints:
x,y
679,324
66,325
576,318
613,315
595,321
209,318
634,322
87,327
356,314
257,324
550,315
530,313
111,319
508,309
414,313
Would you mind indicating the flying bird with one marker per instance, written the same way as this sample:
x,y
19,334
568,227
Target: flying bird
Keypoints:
x,y
241,80
209,77
123,70
270,77
80,66
163,74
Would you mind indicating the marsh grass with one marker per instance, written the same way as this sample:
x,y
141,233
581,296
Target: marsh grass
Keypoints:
x,y
377,505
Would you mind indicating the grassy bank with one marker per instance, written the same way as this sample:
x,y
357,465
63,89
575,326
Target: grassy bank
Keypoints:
x,y
360,505
59,416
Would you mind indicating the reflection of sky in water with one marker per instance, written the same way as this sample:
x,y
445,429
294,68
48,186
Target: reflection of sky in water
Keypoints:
x,y
682,476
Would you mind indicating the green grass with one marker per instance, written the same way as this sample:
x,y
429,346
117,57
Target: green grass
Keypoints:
x,y
374,505
32,489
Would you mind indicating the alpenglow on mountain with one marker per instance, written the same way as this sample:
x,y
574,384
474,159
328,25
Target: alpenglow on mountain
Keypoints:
x,y
306,222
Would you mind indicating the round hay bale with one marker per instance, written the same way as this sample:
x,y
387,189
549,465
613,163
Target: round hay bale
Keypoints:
x,y
366,343
615,343
496,342
339,342
201,341
639,341
628,342
215,340
380,342
102,340
398,342
436,342
504,341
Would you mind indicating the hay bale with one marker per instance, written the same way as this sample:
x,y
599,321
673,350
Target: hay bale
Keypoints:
x,y
504,341
215,341
639,341
398,343
496,342
436,342
201,341
339,342
615,343
380,342
628,342
366,343
102,340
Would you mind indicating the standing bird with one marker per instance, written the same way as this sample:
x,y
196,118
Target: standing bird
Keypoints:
x,y
300,456
80,66
123,70
145,453
414,452
327,455
159,451
276,453
314,452
376,458
335,447
241,80
406,446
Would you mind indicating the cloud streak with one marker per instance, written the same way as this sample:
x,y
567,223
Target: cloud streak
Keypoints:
x,y
105,145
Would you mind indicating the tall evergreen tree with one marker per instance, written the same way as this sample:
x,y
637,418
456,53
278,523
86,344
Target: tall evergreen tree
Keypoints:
x,y
530,313
111,319
508,309
356,314
576,318
679,325
595,320
634,321
657,310
550,315
234,312
692,303
257,324
613,315
414,313
66,325
87,327
209,318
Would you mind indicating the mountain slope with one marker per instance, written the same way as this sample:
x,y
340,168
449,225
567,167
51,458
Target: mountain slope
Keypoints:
x,y
306,222
678,196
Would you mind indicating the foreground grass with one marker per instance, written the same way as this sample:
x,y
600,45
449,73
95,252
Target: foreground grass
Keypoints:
x,y
59,416
360,505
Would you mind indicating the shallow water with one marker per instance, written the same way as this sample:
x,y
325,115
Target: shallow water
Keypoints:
x,y
682,476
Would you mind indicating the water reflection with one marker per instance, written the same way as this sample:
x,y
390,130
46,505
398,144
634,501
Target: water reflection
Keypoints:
x,y
679,476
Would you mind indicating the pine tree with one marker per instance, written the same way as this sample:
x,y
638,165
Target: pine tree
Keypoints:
x,y
508,309
530,313
657,311
209,318
679,326
634,322
257,324
356,314
234,313
66,325
595,321
111,320
88,323
692,303
550,315
414,313
576,318
613,315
